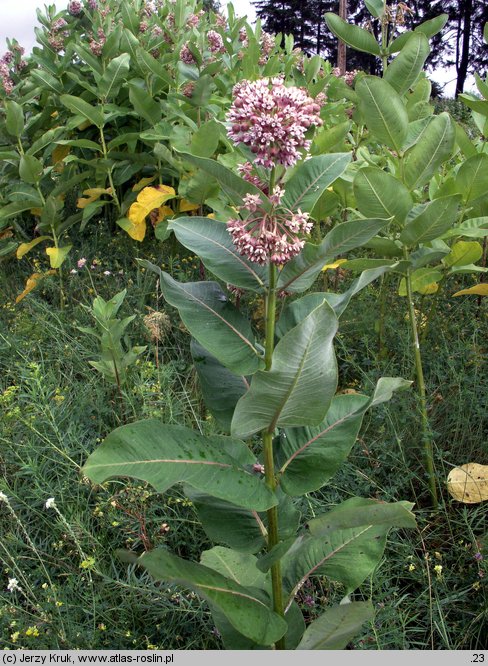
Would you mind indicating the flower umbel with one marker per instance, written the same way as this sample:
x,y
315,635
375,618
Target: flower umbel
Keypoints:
x,y
272,120
269,234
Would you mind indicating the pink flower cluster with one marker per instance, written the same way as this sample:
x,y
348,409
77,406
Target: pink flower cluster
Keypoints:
x,y
92,4
186,55
348,76
269,236
96,47
272,120
215,42
75,8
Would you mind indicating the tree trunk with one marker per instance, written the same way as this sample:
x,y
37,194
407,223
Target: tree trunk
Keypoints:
x,y
462,65
341,47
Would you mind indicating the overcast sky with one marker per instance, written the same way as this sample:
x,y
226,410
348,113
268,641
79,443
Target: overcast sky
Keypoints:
x,y
18,18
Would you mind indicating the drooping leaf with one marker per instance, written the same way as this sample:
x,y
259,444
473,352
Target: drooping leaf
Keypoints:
x,y
238,528
337,626
148,199
478,290
24,248
246,609
164,455
32,283
384,113
92,194
213,321
433,220
405,69
221,389
211,241
303,371
353,35
311,178
427,155
379,194
308,457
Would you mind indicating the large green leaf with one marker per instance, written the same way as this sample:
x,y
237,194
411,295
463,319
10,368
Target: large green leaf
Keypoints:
x,y
308,457
221,389
247,609
462,253
345,544
206,139
358,38
211,241
164,455
143,103
383,111
78,106
336,626
427,155
242,569
233,185
238,528
375,7
311,178
422,280
30,169
472,177
114,76
428,28
303,372
431,221
405,69
212,319
14,119
379,194
475,227
300,273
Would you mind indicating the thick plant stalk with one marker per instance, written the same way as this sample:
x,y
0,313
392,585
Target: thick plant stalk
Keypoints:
x,y
273,534
426,436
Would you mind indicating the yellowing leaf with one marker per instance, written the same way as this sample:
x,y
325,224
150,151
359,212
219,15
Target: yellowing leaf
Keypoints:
x,y
143,183
57,255
31,284
211,216
336,264
36,211
27,247
477,290
428,289
147,200
186,206
92,194
469,483
59,153
163,212
135,231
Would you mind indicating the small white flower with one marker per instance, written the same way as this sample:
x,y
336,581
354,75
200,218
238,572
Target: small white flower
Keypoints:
x,y
107,273
73,271
3,498
50,503
13,585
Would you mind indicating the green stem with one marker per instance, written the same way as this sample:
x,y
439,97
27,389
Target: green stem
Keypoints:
x,y
109,172
426,433
430,314
269,470
381,323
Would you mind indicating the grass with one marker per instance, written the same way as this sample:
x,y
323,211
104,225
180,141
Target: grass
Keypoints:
x,y
428,591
